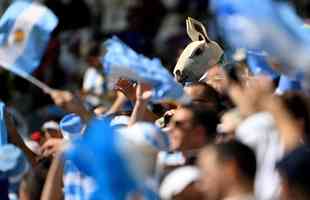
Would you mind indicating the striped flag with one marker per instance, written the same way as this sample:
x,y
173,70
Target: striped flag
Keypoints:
x,y
274,28
25,30
120,61
258,64
103,161
288,84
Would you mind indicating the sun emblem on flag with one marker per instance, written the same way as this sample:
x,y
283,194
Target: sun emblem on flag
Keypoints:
x,y
19,36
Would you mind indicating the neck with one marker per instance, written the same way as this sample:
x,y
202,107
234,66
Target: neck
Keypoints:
x,y
241,189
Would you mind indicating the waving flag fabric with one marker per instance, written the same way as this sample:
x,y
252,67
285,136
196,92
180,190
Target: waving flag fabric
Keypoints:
x,y
288,84
120,61
3,130
274,28
97,155
25,30
258,64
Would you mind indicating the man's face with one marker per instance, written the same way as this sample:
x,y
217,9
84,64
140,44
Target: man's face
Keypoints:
x,y
212,175
181,130
197,96
217,78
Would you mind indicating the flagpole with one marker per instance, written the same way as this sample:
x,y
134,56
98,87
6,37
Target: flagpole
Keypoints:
x,y
31,79
39,84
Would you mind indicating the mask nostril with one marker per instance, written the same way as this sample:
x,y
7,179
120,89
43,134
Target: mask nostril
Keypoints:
x,y
179,76
178,73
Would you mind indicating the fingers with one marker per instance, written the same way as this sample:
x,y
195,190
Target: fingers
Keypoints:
x,y
139,91
127,87
71,103
47,147
250,97
147,95
60,98
53,146
143,92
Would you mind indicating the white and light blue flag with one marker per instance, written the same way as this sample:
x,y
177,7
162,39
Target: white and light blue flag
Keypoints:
x,y
258,64
25,30
289,84
111,172
274,27
120,61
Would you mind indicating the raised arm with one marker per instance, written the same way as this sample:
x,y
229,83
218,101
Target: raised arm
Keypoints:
x,y
258,97
17,140
71,103
52,189
140,111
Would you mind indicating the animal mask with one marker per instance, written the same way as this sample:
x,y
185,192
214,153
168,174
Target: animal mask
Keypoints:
x,y
199,56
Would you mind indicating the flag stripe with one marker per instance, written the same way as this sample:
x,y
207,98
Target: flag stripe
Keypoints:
x,y
25,22
37,41
6,21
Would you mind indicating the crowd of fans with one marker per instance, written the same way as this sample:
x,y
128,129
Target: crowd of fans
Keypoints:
x,y
236,140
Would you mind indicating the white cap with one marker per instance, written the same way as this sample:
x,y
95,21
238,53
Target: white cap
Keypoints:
x,y
50,125
119,121
177,181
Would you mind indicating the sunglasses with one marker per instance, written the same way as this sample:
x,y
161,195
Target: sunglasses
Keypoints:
x,y
182,124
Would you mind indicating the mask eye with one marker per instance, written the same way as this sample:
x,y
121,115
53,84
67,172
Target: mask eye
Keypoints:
x,y
197,52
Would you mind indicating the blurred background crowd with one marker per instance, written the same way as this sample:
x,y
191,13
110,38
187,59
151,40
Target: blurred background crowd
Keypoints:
x,y
241,145
153,29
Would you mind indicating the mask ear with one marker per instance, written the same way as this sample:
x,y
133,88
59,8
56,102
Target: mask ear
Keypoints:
x,y
196,30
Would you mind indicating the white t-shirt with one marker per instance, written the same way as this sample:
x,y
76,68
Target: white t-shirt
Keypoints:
x,y
260,133
93,81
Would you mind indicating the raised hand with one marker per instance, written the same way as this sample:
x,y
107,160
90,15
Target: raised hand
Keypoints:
x,y
140,111
71,103
143,93
251,97
127,87
54,146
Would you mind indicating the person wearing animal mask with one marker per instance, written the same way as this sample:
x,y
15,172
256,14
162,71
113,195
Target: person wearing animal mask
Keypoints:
x,y
199,56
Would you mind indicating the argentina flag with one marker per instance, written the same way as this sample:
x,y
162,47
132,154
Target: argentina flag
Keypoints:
x,y
25,30
258,64
114,184
120,61
274,28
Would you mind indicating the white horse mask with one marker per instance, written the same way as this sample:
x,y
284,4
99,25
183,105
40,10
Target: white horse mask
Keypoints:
x,y
199,56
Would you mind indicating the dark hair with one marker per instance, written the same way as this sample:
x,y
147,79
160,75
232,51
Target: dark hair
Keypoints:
x,y
208,92
298,105
243,155
94,50
205,117
294,167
